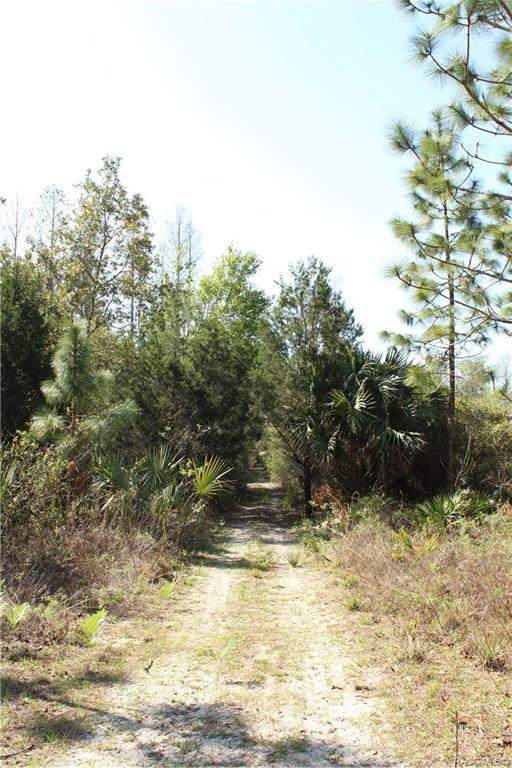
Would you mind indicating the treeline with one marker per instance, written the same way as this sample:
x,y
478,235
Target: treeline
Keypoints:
x,y
211,365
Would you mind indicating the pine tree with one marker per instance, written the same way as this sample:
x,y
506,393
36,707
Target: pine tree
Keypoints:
x,y
467,45
79,399
454,47
445,237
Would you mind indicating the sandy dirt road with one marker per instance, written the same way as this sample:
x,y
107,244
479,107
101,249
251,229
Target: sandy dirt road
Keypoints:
x,y
254,668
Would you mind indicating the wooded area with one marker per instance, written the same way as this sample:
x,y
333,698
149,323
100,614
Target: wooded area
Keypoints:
x,y
139,391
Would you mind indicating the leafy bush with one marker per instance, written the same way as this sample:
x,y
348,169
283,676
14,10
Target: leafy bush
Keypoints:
x,y
485,443
25,333
445,510
35,489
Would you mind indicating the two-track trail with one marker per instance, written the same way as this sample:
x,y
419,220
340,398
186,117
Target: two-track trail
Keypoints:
x,y
254,669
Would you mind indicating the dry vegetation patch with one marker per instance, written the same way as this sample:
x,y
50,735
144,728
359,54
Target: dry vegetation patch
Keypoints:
x,y
437,614
54,582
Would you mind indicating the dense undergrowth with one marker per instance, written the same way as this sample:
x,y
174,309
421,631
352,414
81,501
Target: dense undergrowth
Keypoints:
x,y
86,528
69,552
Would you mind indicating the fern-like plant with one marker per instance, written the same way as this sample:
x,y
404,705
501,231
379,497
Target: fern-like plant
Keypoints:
x,y
89,627
16,613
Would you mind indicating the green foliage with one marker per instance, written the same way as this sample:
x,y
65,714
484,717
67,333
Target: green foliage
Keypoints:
x,y
112,474
484,443
209,478
311,330
447,276
7,476
16,613
446,510
176,492
295,557
377,416
167,589
194,380
406,545
35,488
83,396
158,469
89,627
367,429
25,349
467,44
450,275
108,248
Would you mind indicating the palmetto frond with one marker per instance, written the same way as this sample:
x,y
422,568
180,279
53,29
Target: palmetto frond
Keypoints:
x,y
112,473
158,469
209,478
375,406
354,407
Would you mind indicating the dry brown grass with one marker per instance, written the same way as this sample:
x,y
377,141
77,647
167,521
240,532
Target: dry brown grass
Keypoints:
x,y
78,571
437,616
450,589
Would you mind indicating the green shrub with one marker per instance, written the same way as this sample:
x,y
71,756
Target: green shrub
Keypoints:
x,y
16,613
484,443
35,488
445,510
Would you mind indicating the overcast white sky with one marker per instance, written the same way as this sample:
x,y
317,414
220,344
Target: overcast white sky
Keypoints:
x,y
267,120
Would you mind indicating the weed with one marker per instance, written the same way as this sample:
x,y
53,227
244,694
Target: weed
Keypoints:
x,y
492,656
89,627
353,603
167,589
187,746
414,649
281,749
350,581
295,557
16,613
260,557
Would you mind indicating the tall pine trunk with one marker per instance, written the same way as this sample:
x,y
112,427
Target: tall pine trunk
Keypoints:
x,y
450,464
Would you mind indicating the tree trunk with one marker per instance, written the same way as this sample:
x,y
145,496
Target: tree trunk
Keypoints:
x,y
307,486
451,405
450,466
